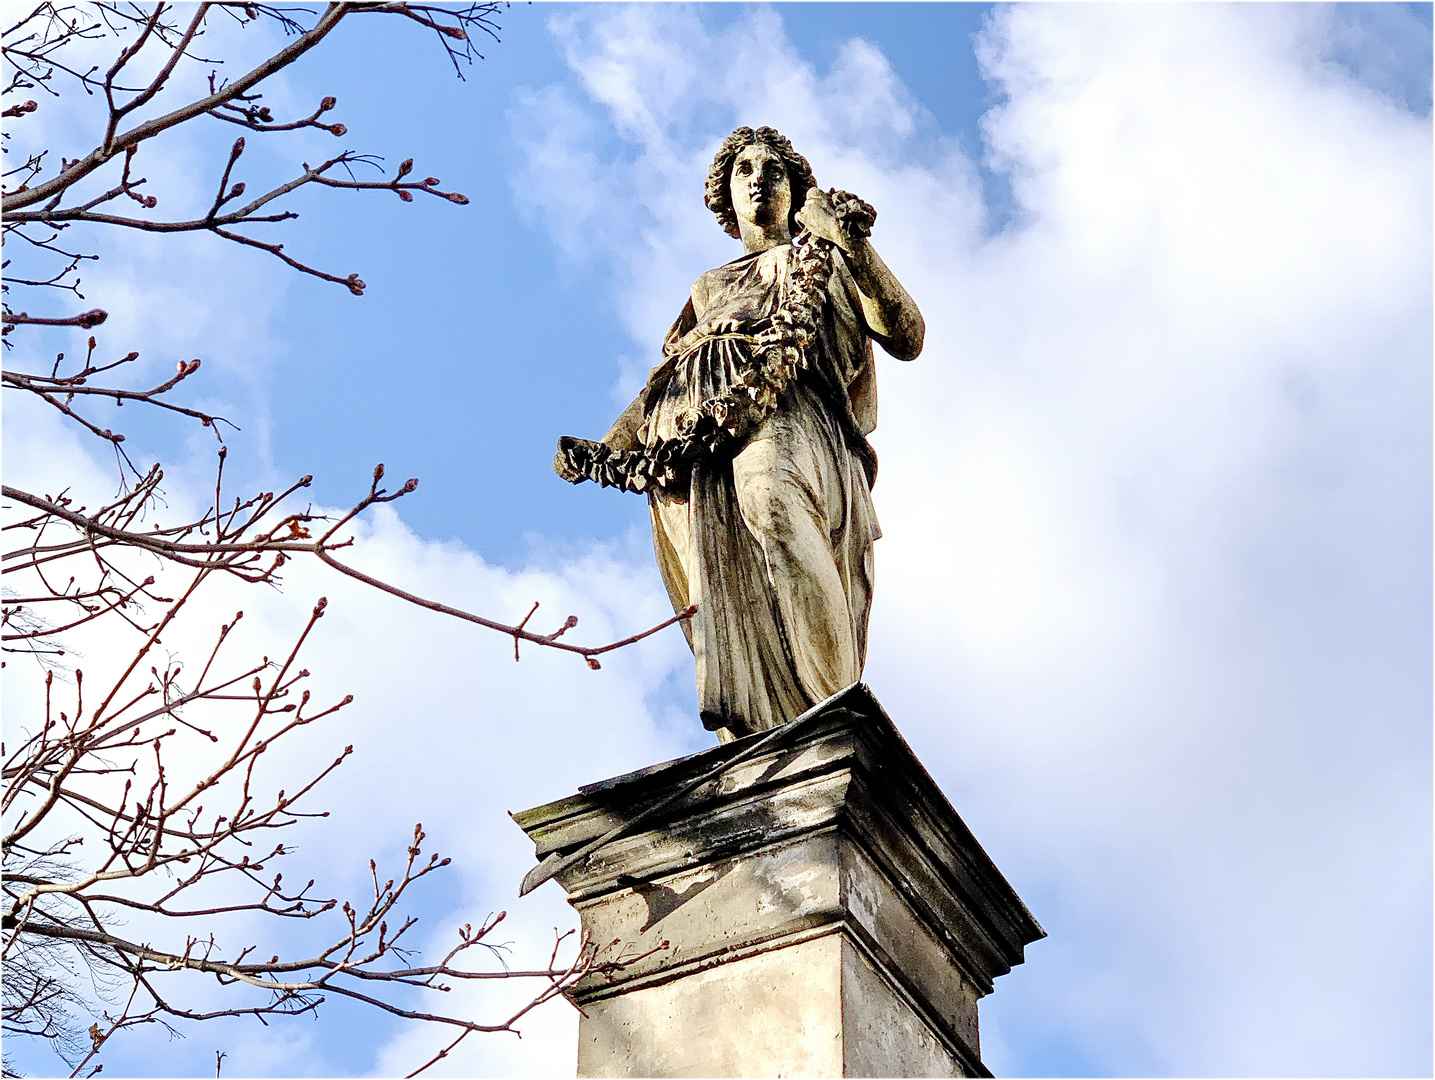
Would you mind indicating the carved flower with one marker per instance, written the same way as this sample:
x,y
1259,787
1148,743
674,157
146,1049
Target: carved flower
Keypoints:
x,y
686,421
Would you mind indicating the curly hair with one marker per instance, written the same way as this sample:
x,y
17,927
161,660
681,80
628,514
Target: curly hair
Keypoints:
x,y
718,193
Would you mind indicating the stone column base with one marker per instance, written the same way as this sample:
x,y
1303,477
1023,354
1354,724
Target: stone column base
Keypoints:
x,y
825,910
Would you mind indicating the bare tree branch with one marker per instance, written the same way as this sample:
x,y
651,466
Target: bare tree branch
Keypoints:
x,y
151,801
34,48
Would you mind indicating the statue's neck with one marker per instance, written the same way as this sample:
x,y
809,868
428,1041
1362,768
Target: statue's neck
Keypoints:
x,y
756,238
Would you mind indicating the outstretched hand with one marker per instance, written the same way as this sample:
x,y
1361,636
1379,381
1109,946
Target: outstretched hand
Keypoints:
x,y
562,462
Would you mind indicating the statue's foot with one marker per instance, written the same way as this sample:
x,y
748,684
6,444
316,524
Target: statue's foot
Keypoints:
x,y
726,728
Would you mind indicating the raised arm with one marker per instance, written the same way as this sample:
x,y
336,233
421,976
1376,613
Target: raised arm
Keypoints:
x,y
891,314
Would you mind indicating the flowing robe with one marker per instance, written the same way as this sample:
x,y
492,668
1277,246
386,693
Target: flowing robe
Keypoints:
x,y
774,544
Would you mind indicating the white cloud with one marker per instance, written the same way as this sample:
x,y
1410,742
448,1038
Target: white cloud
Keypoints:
x,y
448,730
1153,599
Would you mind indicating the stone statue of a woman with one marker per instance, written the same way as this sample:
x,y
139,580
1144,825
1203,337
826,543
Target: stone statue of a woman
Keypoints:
x,y
750,440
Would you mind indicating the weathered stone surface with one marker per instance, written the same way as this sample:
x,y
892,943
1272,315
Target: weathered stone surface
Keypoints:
x,y
881,1034
741,1019
825,911
750,439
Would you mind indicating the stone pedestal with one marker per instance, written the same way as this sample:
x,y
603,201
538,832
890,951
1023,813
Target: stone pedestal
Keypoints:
x,y
825,910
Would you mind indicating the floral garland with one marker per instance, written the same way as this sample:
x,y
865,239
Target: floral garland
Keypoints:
x,y
719,425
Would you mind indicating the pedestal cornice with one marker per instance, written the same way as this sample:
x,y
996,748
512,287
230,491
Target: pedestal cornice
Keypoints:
x,y
834,828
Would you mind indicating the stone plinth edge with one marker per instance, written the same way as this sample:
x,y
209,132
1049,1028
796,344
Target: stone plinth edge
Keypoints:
x,y
833,828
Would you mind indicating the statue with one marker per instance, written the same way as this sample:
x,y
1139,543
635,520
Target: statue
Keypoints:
x,y
749,440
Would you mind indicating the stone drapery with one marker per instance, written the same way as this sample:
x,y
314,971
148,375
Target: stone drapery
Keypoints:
x,y
773,543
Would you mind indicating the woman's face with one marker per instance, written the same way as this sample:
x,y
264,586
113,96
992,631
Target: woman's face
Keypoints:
x,y
761,192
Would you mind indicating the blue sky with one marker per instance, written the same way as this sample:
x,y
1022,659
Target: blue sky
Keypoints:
x,y
507,279
1153,599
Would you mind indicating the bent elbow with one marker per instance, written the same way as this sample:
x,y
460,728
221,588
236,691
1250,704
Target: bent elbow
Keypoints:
x,y
908,350
907,343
